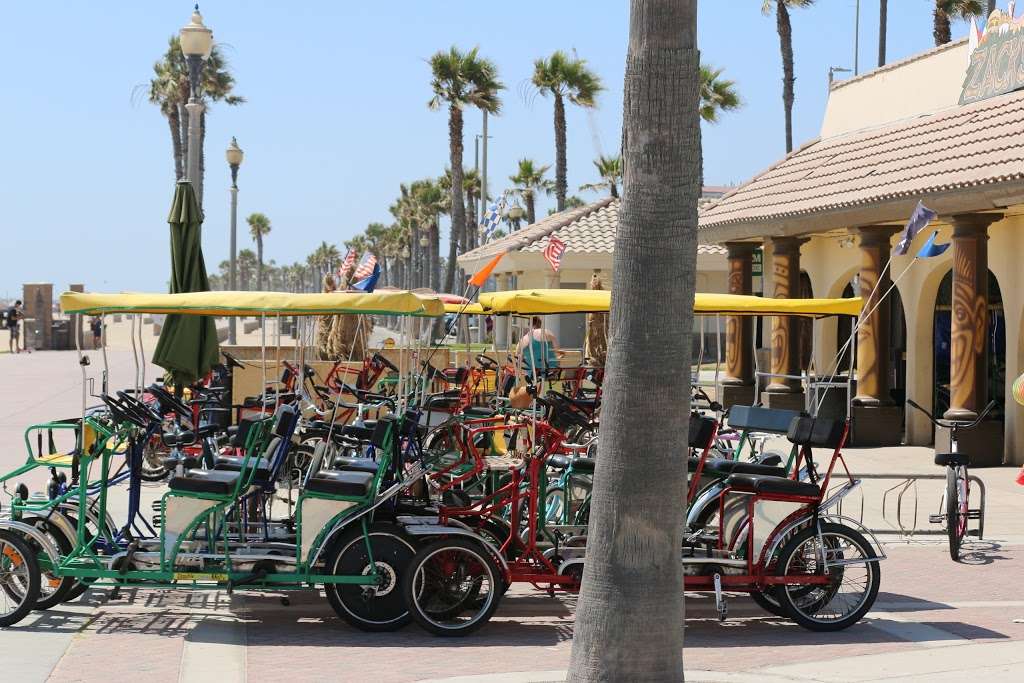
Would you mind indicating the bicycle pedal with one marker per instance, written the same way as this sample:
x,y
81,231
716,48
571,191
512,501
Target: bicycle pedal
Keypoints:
x,y
937,519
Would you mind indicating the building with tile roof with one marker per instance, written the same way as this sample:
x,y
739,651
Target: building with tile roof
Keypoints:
x,y
589,236
827,216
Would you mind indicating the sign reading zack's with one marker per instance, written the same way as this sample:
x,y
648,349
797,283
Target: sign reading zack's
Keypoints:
x,y
997,63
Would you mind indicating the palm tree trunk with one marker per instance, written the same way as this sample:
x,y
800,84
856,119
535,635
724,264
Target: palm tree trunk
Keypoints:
x,y
472,223
786,43
259,262
531,207
202,158
883,20
629,622
561,184
435,255
458,214
940,30
614,189
175,126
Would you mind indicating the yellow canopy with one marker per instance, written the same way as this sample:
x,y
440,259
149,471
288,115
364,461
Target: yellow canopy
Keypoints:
x,y
382,302
541,301
470,309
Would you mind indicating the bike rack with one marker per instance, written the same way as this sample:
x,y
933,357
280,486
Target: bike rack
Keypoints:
x,y
908,483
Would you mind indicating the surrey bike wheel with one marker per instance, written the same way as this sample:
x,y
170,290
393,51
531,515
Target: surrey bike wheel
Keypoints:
x,y
19,578
53,589
453,586
853,577
371,608
956,509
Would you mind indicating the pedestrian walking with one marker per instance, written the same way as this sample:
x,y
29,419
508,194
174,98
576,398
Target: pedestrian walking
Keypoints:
x,y
96,325
12,317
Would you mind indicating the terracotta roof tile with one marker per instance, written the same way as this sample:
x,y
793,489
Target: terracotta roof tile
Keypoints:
x,y
971,145
587,230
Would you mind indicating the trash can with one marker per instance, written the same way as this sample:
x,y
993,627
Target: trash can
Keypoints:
x,y
60,335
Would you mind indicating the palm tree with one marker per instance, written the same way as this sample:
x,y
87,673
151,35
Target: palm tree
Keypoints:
x,y
472,187
461,79
717,94
529,180
169,90
564,78
430,201
629,619
785,30
246,266
947,9
609,169
259,226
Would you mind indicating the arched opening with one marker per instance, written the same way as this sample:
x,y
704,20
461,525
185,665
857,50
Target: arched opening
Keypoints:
x,y
996,346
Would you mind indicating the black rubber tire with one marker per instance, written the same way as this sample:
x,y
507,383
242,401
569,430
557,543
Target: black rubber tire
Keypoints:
x,y
796,612
769,602
953,514
64,585
79,588
25,553
386,610
412,587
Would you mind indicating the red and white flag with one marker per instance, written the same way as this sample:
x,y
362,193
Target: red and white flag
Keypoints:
x,y
346,266
366,266
553,252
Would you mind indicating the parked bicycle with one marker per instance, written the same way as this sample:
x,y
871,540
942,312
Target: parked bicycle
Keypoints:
x,y
955,510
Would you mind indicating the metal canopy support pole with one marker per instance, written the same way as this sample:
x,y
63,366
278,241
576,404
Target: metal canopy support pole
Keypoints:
x,y
103,346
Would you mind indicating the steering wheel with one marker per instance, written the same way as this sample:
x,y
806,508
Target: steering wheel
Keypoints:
x,y
169,401
377,358
486,362
231,361
141,409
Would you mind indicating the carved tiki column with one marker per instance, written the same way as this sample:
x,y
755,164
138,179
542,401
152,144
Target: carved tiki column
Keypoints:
x,y
785,329
739,329
873,332
968,368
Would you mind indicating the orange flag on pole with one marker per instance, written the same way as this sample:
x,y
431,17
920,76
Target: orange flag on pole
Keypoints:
x,y
480,276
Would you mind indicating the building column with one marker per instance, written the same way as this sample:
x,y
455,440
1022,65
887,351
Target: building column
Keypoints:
x,y
501,321
968,385
553,280
785,329
873,330
738,384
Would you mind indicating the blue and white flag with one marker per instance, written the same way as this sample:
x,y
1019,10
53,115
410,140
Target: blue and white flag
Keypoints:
x,y
930,249
921,217
492,218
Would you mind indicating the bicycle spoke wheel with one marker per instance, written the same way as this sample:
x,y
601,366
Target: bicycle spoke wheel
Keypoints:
x,y
956,509
842,556
19,578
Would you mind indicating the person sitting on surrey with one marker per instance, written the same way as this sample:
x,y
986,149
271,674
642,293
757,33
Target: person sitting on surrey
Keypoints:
x,y
538,350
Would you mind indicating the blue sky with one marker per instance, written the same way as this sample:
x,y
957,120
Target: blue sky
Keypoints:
x,y
336,115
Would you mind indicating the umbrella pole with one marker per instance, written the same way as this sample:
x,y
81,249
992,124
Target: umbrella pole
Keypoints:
x,y
103,346
263,355
142,357
718,355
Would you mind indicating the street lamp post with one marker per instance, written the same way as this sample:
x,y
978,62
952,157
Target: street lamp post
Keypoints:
x,y
234,156
196,44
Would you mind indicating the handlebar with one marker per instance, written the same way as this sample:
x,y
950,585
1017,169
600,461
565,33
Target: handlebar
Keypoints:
x,y
954,424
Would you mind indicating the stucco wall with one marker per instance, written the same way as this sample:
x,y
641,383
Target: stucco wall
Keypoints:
x,y
920,85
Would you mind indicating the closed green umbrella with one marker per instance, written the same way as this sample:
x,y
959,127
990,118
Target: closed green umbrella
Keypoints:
x,y
188,347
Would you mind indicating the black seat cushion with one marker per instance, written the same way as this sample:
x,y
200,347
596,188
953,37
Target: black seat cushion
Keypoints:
x,y
758,419
220,482
954,459
773,485
583,465
351,484
559,462
179,439
347,464
478,411
726,467
815,431
358,432
701,429
233,463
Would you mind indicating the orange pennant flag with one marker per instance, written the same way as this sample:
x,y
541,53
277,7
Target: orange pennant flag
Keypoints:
x,y
480,276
